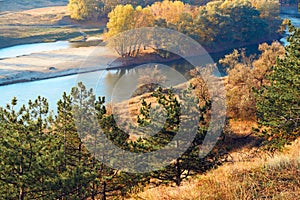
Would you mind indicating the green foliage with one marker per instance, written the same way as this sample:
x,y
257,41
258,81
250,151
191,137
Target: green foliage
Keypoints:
x,y
44,157
232,22
278,103
189,162
29,152
269,10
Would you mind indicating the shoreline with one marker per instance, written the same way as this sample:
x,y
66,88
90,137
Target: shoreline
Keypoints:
x,y
53,64
72,61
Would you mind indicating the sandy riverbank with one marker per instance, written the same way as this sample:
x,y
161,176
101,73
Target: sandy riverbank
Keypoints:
x,y
50,64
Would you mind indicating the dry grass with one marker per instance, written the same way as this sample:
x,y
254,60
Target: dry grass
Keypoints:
x,y
17,5
240,127
39,16
265,177
251,174
40,25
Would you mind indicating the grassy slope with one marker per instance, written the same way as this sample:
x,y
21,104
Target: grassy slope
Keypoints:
x,y
41,25
17,5
252,174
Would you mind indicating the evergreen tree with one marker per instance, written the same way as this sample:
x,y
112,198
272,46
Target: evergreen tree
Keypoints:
x,y
278,103
29,152
79,122
189,162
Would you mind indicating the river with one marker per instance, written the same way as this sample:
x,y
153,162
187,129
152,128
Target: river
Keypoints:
x,y
27,49
53,89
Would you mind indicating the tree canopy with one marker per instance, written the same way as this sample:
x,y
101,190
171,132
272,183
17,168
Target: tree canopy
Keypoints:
x,y
278,103
85,9
216,25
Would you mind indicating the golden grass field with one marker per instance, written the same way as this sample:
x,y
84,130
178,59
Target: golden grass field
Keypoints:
x,y
42,25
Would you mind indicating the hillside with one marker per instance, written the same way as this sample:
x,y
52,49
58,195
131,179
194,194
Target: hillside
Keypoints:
x,y
247,175
41,25
18,5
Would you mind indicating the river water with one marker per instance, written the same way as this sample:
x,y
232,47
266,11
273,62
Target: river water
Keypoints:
x,y
102,81
27,49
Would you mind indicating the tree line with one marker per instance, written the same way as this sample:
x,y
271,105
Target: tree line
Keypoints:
x,y
96,9
47,156
217,25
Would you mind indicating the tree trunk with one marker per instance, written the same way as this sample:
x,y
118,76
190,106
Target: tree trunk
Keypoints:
x,y
104,191
178,173
21,193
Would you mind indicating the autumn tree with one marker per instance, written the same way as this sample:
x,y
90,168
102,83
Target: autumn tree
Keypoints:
x,y
216,25
240,98
245,73
229,22
269,11
126,18
85,9
262,66
169,10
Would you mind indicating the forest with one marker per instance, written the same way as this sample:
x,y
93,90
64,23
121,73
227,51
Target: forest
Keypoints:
x,y
217,25
46,154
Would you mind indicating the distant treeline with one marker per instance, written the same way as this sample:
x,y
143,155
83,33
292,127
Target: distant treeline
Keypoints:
x,y
95,9
218,25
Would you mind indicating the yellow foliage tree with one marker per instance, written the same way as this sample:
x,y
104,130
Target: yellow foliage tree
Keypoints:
x,y
244,74
120,19
124,18
84,9
169,10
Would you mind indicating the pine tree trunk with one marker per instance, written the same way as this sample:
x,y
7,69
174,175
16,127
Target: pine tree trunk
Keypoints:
x,y
21,193
104,191
178,174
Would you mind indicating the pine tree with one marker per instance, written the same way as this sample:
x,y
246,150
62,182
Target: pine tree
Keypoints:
x,y
278,103
28,152
79,122
176,108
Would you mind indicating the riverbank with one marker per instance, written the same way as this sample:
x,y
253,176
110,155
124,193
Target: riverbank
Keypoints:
x,y
51,24
51,64
70,61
